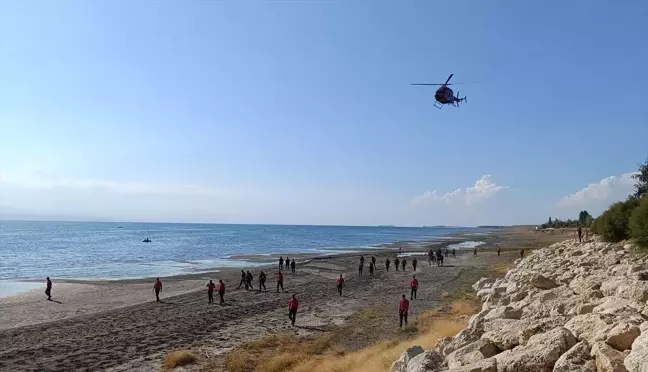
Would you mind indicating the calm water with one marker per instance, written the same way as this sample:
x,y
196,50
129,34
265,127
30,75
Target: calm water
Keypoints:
x,y
87,250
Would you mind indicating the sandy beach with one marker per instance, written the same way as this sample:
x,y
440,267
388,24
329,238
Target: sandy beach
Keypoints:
x,y
118,326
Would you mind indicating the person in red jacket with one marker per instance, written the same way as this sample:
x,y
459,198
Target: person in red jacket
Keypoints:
x,y
293,305
210,291
279,281
157,287
340,284
403,309
414,287
221,291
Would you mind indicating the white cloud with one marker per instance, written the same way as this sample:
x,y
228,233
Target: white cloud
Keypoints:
x,y
596,197
473,205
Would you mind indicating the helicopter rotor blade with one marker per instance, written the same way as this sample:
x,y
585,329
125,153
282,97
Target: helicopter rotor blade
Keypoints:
x,y
427,84
449,77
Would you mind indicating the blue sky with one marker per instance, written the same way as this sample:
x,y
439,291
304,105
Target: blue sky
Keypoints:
x,y
302,112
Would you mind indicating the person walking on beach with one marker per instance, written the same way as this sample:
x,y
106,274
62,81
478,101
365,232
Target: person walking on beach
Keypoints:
x,y
248,280
454,253
403,263
430,257
387,262
439,258
243,280
210,292
360,267
293,305
362,260
279,281
499,250
521,252
413,287
292,266
287,263
281,263
396,263
262,280
475,252
580,234
340,284
403,309
48,289
371,268
157,287
221,291
414,263
373,260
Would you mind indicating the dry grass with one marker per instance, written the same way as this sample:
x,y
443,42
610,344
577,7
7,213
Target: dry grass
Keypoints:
x,y
178,358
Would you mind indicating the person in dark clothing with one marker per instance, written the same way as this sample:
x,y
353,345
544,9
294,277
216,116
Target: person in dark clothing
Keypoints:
x,y
281,261
447,252
403,264
403,309
262,280
414,264
413,287
243,280
287,266
340,284
521,252
475,252
387,263
210,292
430,257
48,289
279,281
248,280
293,305
580,234
439,259
292,266
499,251
396,263
362,260
221,291
360,267
373,260
157,287
454,253
371,268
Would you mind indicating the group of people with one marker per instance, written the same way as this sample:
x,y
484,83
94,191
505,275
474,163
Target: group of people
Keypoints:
x,y
289,264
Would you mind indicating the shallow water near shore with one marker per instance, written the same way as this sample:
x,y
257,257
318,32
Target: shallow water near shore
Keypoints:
x,y
102,250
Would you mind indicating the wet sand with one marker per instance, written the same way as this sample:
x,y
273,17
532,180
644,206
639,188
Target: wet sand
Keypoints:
x,y
118,326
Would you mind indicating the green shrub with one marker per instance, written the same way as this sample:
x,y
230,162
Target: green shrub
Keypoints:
x,y
639,223
612,225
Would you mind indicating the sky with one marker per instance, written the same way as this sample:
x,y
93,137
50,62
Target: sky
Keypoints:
x,y
302,112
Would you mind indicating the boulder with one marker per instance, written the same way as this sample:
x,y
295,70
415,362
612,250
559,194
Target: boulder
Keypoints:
x,y
425,362
542,282
622,335
617,306
463,338
539,354
401,364
504,312
486,365
590,327
637,360
504,333
472,353
576,359
482,283
584,309
607,359
633,290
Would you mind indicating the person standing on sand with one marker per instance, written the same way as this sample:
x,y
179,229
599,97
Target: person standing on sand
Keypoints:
x,y
248,279
340,284
387,262
262,280
580,234
360,267
439,258
221,291
373,260
396,263
287,263
279,281
157,287
292,266
403,263
293,305
371,268
475,252
521,252
446,252
499,250
413,287
243,280
414,263
454,253
403,309
362,260
430,257
210,292
48,289
281,263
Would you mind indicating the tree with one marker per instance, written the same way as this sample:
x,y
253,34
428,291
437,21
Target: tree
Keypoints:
x,y
641,187
639,223
583,217
613,223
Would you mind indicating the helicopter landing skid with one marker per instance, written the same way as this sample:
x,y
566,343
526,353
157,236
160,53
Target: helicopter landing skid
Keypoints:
x,y
438,105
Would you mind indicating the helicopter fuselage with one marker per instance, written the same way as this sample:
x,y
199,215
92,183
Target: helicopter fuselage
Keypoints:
x,y
445,95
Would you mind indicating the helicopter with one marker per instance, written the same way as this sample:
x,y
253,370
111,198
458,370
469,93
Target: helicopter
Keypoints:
x,y
445,95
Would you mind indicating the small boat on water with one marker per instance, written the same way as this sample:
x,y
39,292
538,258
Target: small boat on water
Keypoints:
x,y
147,240
119,227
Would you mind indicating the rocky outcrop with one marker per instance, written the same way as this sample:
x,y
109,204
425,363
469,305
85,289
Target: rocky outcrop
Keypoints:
x,y
569,307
